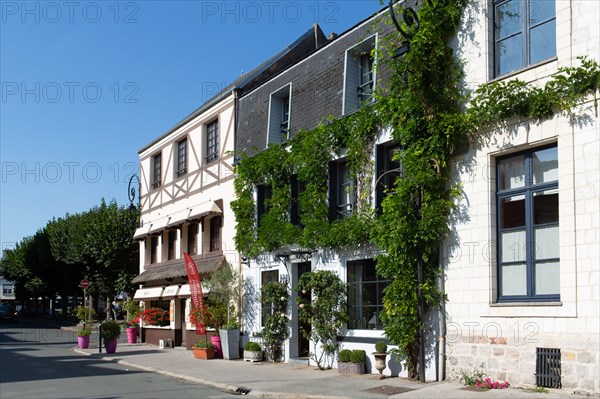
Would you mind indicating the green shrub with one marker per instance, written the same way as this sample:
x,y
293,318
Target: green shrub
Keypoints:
x,y
84,332
344,355
358,356
110,330
231,325
85,314
204,345
380,347
252,347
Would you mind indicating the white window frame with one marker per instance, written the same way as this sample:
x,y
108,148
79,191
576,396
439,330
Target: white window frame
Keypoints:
x,y
350,98
275,117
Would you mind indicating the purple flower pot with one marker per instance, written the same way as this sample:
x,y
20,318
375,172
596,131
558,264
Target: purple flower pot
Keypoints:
x,y
83,342
111,346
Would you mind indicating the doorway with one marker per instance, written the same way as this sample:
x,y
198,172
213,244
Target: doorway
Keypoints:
x,y
183,302
303,342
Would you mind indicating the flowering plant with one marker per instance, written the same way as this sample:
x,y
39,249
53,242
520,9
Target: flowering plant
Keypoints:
x,y
131,323
488,383
155,317
477,380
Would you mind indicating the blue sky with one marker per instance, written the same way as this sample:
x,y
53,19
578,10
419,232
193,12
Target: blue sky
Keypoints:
x,y
86,84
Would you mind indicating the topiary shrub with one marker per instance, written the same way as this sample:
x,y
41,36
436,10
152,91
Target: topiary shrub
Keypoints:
x,y
344,355
252,347
380,347
358,356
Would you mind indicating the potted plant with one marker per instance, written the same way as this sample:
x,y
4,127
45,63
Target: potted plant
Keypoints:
x,y
83,337
110,330
357,362
131,328
344,360
380,355
252,352
223,292
206,315
230,340
204,350
133,309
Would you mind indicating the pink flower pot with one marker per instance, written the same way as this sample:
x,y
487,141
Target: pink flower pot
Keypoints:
x,y
216,341
111,346
131,335
83,342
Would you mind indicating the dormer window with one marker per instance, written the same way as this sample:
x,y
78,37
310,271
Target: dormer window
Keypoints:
x,y
359,79
279,116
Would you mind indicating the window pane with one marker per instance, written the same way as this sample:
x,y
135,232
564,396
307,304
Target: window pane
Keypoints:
x,y
511,172
541,10
508,19
513,246
542,42
512,212
514,280
547,278
545,165
546,243
509,54
545,207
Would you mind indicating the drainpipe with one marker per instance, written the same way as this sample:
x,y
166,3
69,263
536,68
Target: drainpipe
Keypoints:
x,y
442,338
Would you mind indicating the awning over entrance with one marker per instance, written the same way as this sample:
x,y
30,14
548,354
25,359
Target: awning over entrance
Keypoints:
x,y
148,293
207,208
170,292
204,209
142,232
184,291
164,271
159,224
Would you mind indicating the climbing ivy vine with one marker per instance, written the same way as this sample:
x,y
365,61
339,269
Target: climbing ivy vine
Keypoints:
x,y
430,117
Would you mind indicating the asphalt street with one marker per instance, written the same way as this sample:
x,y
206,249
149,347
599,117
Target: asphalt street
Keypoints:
x,y
36,362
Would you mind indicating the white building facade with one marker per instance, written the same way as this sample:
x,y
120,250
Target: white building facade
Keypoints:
x,y
186,181
522,273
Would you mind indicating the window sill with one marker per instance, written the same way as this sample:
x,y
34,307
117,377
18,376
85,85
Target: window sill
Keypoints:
x,y
522,70
522,304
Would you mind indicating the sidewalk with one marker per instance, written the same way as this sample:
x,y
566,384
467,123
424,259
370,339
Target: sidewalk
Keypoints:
x,y
282,380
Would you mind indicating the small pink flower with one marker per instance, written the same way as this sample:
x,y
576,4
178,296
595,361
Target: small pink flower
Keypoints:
x,y
301,306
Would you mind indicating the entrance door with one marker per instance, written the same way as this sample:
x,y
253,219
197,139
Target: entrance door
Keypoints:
x,y
183,302
303,342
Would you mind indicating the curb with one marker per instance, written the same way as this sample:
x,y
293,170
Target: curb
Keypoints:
x,y
219,385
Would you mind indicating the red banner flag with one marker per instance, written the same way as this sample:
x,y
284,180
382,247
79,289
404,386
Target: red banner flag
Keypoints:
x,y
196,291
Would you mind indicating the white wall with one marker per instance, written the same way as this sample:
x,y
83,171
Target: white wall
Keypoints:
x,y
504,337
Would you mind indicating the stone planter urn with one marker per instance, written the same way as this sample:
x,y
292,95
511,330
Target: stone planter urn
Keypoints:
x,y
380,362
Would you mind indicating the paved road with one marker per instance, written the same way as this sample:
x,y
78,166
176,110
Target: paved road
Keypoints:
x,y
36,363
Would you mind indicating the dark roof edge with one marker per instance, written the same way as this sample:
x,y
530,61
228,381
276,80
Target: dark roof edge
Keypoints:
x,y
235,85
207,105
329,42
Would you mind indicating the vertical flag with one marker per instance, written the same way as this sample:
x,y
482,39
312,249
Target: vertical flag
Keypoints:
x,y
195,290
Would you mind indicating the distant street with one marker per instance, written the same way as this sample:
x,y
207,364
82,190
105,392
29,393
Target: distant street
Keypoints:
x,y
36,363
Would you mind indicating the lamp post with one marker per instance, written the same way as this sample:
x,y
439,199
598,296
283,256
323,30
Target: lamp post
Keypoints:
x,y
132,192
